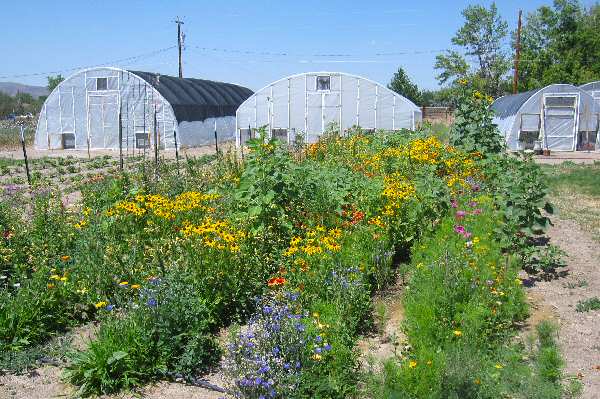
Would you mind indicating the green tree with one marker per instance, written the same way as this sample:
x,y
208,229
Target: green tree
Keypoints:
x,y
54,81
402,85
481,40
560,44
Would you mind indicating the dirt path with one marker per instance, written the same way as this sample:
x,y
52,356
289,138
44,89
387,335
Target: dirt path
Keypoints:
x,y
579,334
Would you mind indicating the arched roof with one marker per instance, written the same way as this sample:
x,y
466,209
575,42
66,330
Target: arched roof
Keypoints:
x,y
510,105
591,86
197,99
404,99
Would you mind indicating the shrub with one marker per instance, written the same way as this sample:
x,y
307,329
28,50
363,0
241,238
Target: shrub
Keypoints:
x,y
167,329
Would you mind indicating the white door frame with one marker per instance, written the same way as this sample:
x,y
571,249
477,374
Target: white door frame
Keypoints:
x,y
575,109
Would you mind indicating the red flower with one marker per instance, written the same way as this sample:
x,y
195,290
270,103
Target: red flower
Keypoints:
x,y
276,281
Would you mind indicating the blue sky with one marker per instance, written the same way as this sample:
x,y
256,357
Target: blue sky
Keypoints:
x,y
350,36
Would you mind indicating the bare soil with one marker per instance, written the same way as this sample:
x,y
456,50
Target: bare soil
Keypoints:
x,y
556,299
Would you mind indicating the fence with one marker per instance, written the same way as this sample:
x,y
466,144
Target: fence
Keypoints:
x,y
443,115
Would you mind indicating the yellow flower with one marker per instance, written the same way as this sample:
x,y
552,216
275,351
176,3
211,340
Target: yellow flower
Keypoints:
x,y
135,286
412,364
100,304
499,366
63,278
123,283
518,281
50,285
55,277
317,357
65,258
457,333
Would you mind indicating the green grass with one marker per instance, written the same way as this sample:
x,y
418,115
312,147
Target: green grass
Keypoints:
x,y
575,191
588,304
584,179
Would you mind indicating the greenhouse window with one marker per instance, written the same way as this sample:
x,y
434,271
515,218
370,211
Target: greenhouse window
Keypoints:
x,y
101,84
323,83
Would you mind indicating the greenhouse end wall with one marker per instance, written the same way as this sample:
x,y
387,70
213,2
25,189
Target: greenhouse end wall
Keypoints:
x,y
308,103
561,117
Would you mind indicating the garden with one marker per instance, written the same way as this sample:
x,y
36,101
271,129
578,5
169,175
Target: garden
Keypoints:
x,y
266,267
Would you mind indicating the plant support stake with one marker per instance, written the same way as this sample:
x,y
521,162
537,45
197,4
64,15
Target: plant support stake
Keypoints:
x,y
25,154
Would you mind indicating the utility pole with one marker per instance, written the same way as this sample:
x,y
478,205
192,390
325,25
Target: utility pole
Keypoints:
x,y
179,43
517,56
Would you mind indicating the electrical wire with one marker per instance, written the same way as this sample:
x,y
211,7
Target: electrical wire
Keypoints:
x,y
119,61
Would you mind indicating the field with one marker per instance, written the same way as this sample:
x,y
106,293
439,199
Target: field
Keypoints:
x,y
384,265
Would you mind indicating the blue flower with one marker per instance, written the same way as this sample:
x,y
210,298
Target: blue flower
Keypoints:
x,y
267,310
318,339
109,307
318,350
152,302
327,347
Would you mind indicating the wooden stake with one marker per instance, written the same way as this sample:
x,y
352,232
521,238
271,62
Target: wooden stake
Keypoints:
x,y
25,154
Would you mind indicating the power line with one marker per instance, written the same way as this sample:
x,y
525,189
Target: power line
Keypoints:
x,y
331,55
127,59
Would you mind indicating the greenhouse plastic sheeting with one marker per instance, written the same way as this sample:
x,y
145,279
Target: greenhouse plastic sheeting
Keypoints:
x,y
297,103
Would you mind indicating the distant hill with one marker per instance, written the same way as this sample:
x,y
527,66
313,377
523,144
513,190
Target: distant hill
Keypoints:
x,y
11,89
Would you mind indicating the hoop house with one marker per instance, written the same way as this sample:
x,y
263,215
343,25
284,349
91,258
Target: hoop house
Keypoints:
x,y
309,102
93,108
593,88
561,117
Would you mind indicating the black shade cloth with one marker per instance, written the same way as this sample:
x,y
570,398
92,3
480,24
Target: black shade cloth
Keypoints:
x,y
197,99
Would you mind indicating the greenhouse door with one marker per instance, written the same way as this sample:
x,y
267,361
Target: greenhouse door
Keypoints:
x,y
560,121
103,120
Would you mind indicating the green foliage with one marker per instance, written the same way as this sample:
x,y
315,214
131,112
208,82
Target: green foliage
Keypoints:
x,y
481,37
402,85
561,45
473,129
54,81
589,304
169,330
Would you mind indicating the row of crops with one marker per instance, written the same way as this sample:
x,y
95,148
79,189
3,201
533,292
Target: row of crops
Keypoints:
x,y
285,250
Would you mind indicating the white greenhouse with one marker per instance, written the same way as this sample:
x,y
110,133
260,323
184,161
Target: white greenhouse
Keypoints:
x,y
593,88
559,117
308,103
98,107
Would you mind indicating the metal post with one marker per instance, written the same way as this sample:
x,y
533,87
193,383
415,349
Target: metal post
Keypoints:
x,y
120,142
25,154
216,140
517,56
176,150
155,141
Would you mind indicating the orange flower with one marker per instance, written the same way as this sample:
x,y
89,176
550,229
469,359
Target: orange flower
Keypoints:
x,y
276,281
65,258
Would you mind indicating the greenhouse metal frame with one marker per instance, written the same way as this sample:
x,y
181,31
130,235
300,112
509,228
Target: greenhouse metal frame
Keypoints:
x,y
593,88
113,108
559,117
308,103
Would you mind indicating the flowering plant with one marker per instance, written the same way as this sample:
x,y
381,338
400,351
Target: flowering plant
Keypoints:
x,y
265,359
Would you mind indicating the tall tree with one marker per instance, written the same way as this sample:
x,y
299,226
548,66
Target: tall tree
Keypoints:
x,y
481,39
402,85
560,44
54,81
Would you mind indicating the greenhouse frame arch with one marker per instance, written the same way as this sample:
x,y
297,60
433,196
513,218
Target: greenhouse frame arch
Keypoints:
x,y
113,108
559,117
593,88
310,102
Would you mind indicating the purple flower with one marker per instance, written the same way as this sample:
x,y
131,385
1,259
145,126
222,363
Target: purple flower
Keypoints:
x,y
459,229
453,203
460,214
472,204
476,211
